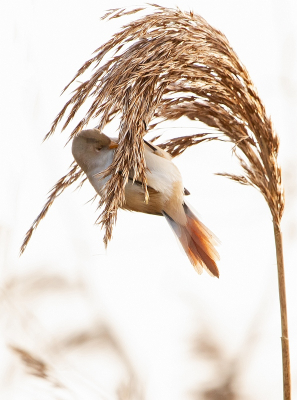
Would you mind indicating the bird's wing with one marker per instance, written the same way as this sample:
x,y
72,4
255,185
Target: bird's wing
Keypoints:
x,y
157,150
139,183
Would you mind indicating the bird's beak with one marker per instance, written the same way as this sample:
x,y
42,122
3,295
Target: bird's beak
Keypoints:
x,y
113,145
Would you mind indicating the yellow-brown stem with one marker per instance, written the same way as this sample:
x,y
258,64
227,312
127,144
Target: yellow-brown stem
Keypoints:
x,y
283,310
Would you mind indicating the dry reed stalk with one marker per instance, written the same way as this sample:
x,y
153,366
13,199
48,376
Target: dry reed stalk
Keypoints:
x,y
163,66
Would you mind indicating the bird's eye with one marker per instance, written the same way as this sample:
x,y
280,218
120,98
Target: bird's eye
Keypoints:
x,y
98,148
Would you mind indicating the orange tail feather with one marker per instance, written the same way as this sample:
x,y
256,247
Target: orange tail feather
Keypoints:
x,y
198,242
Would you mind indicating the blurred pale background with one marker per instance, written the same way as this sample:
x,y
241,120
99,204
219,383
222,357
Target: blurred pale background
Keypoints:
x,y
136,321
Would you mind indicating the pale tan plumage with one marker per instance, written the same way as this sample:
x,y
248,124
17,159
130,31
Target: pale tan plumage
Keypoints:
x,y
93,152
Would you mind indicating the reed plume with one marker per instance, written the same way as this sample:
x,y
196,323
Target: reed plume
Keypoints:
x,y
163,66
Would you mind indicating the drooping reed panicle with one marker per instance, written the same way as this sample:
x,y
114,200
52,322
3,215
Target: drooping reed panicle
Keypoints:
x,y
163,66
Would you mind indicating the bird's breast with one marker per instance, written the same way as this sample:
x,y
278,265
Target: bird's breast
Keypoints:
x,y
163,178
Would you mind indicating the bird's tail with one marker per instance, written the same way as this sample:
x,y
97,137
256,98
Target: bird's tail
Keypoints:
x,y
197,241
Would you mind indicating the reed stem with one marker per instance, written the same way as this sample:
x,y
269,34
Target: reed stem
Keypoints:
x,y
283,310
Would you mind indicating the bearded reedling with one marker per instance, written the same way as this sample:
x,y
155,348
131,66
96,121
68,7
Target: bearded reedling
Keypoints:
x,y
94,152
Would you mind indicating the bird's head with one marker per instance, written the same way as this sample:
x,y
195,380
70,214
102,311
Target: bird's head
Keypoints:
x,y
92,149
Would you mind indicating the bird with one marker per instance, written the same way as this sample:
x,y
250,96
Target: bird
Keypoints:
x,y
94,151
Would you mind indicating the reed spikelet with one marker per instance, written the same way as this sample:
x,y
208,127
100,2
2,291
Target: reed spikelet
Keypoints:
x,y
73,175
163,66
